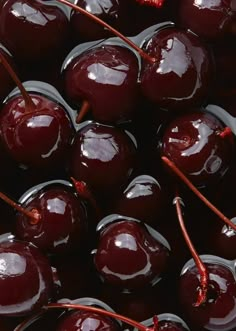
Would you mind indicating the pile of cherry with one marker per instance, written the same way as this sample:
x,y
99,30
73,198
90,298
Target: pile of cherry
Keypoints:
x,y
117,165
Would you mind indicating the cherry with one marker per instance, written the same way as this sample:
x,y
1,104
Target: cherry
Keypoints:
x,y
35,139
82,319
143,199
43,26
94,309
218,311
106,78
34,130
130,255
85,319
103,157
181,76
207,286
200,145
62,223
26,278
209,19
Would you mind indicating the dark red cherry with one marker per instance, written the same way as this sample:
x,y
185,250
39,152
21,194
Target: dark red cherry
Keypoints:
x,y
81,320
103,157
25,278
62,223
218,312
209,19
181,76
113,12
6,83
129,255
106,78
37,137
33,30
143,199
200,145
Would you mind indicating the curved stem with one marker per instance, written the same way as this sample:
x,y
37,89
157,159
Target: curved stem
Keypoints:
x,y
204,275
193,188
83,111
28,101
33,215
104,312
144,55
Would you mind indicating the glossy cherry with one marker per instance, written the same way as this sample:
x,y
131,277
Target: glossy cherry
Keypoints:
x,y
129,255
218,311
103,157
62,224
82,319
26,278
106,78
200,145
212,20
33,30
35,138
181,76
35,130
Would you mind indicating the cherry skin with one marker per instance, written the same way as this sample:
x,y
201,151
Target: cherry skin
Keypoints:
x,y
103,157
143,199
196,143
62,225
106,78
35,138
113,12
181,76
129,256
35,30
218,312
209,19
26,278
80,320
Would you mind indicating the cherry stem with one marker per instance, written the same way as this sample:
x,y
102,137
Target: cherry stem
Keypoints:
x,y
104,312
193,188
204,276
33,215
85,193
155,3
83,111
28,101
144,55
